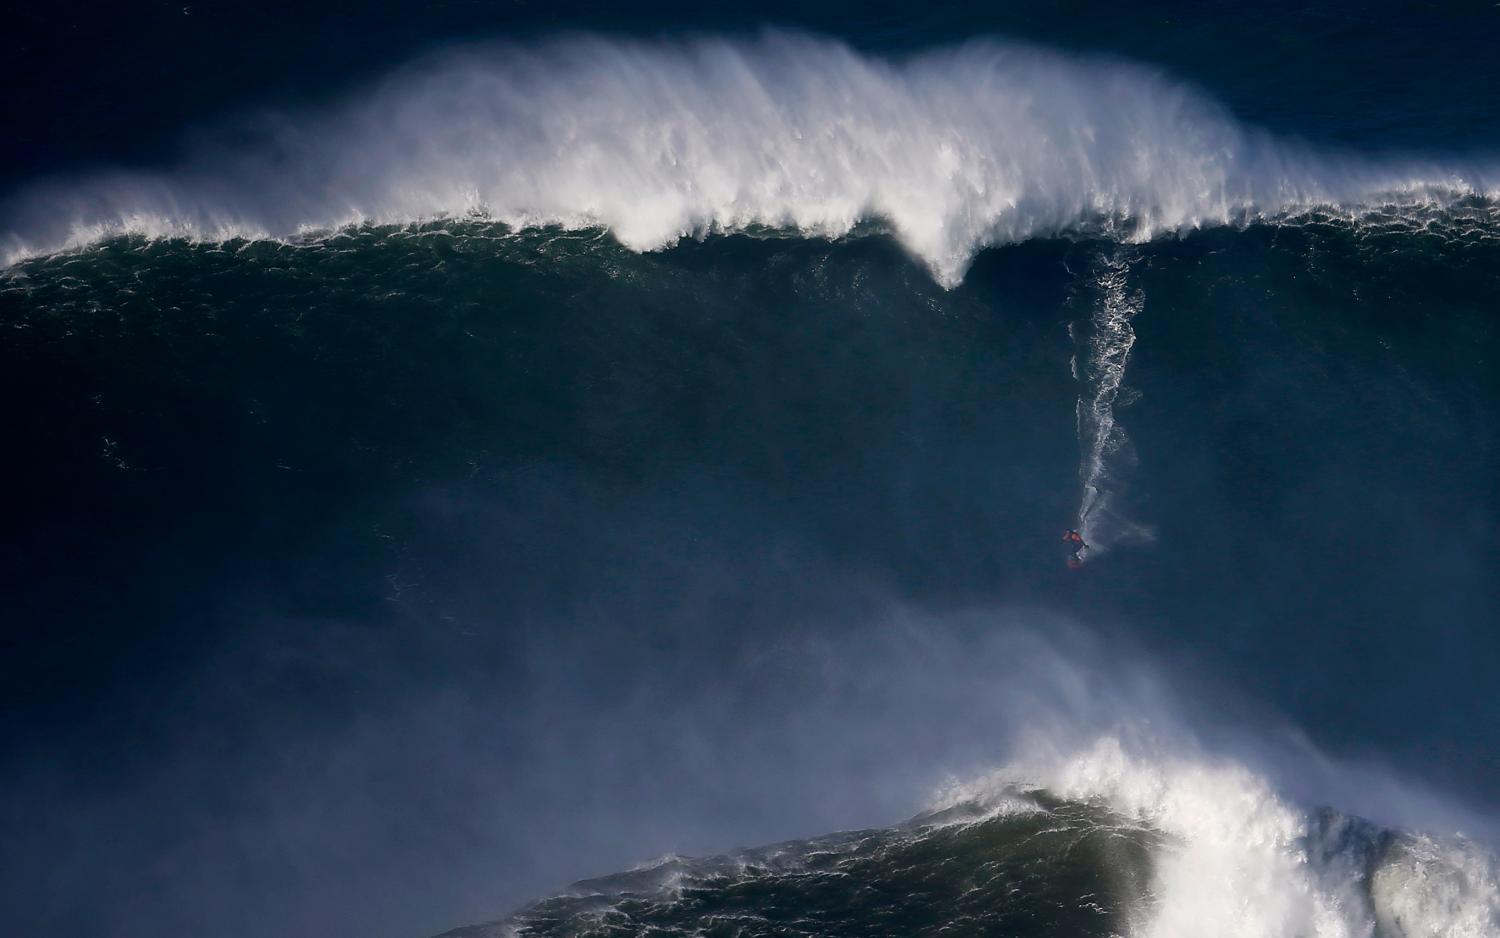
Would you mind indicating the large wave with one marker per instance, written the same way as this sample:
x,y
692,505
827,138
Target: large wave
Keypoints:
x,y
954,150
1152,844
1118,810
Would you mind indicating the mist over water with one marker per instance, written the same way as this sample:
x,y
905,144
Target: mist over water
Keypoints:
x,y
985,143
578,455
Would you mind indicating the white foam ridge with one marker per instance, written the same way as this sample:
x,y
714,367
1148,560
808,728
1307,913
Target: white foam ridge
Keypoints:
x,y
954,150
1241,861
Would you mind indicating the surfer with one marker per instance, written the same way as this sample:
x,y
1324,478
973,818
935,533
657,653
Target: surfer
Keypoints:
x,y
1076,547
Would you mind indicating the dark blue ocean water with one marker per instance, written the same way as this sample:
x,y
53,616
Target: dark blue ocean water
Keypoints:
x,y
450,455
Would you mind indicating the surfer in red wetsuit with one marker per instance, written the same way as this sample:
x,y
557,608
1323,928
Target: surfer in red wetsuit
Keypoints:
x,y
1076,547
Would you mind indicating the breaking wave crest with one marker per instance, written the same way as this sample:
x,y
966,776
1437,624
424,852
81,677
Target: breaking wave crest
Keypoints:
x,y
1239,859
1104,841
953,150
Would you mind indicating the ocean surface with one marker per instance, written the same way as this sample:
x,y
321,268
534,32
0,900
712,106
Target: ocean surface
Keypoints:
x,y
466,451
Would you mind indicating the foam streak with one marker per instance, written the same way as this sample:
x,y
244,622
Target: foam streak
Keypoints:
x,y
1104,445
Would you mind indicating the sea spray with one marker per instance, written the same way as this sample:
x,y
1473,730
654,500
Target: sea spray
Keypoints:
x,y
953,150
1155,843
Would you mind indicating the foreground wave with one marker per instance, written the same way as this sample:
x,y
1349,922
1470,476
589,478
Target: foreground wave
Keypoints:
x,y
957,149
1101,843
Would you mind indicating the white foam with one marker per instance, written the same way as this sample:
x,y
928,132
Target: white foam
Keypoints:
x,y
1237,862
955,149
1427,888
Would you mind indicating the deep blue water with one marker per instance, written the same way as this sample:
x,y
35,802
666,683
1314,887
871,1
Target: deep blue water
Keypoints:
x,y
404,520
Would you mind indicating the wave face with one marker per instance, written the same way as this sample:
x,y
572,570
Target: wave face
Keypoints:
x,y
1104,842
987,143
578,555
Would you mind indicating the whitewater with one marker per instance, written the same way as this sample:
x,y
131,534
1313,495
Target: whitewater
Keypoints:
x,y
1242,860
953,150
1117,811
1180,844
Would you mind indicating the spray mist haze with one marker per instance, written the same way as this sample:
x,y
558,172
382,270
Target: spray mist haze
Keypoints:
x,y
986,143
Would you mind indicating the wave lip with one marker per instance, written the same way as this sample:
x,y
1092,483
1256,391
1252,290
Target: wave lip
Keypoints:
x,y
954,149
